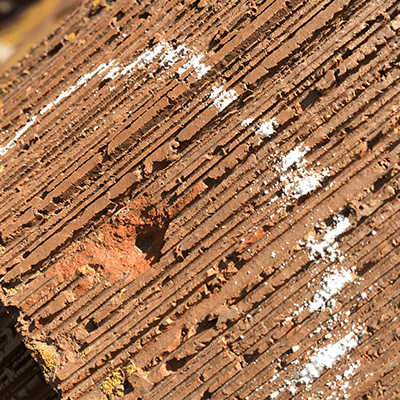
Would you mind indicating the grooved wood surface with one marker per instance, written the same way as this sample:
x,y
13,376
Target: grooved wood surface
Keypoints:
x,y
199,200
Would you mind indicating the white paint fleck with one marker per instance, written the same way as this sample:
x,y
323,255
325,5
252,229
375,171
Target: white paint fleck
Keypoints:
x,y
147,57
45,109
171,55
65,94
295,156
325,358
267,128
331,285
113,73
199,68
215,92
166,60
83,80
18,134
298,182
222,98
351,369
306,184
328,245
247,121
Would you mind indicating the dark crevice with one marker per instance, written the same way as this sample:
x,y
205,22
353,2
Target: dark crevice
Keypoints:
x,y
120,15
144,243
30,385
366,267
208,323
378,184
206,395
176,364
311,98
55,50
26,254
112,38
91,326
104,82
128,388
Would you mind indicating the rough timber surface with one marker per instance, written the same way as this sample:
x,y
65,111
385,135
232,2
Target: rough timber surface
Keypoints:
x,y
200,200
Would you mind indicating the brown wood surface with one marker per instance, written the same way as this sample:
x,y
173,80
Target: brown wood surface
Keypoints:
x,y
199,200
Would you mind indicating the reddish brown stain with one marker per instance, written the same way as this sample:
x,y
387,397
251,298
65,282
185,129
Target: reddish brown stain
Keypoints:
x,y
110,253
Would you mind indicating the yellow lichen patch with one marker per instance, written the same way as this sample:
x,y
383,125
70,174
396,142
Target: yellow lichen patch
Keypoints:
x,y
1,166
96,3
84,353
2,249
86,270
46,356
131,368
17,289
70,37
112,386
146,373
122,291
69,296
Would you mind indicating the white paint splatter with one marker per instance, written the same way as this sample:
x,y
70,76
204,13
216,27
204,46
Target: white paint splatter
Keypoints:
x,y
295,156
113,73
166,55
351,369
146,58
171,55
199,68
267,128
222,98
45,109
247,121
295,182
325,358
82,81
331,285
328,246
18,134
215,91
307,184
65,94
343,380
